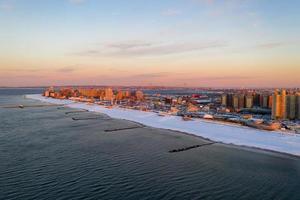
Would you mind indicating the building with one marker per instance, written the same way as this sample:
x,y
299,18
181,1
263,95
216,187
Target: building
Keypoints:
x,y
88,92
224,100
298,106
139,95
291,106
168,100
109,94
256,100
47,93
264,101
230,100
235,102
270,103
192,108
276,108
127,94
120,95
285,106
241,101
249,101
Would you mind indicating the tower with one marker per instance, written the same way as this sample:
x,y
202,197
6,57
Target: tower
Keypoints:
x,y
235,102
241,101
224,100
249,101
298,106
279,105
283,104
291,106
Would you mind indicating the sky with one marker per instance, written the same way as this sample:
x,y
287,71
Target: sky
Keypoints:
x,y
192,43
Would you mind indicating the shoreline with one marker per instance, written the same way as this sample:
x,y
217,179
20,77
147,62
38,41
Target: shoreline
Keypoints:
x,y
228,134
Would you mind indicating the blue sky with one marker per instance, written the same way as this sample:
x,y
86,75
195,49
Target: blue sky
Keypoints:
x,y
137,37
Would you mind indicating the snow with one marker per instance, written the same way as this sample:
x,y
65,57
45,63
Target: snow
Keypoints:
x,y
218,132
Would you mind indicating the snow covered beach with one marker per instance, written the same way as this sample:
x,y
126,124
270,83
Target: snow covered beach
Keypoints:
x,y
228,134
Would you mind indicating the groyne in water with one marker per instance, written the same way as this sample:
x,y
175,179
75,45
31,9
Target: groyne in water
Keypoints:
x,y
90,118
121,129
76,111
191,147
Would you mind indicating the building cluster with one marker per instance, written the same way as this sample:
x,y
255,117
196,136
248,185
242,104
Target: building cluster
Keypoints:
x,y
94,94
241,100
286,105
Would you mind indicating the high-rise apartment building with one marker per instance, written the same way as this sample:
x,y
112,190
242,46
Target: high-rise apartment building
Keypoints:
x,y
120,95
249,101
224,100
109,94
127,94
235,102
230,100
298,106
276,105
256,100
283,104
270,103
291,106
241,101
264,101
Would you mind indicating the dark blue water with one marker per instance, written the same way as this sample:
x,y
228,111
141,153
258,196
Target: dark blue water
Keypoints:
x,y
44,154
20,91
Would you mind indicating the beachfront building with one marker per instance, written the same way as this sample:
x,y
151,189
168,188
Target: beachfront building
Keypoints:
x,y
139,95
109,94
120,95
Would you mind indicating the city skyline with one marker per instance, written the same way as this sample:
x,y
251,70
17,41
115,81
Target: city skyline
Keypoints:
x,y
191,43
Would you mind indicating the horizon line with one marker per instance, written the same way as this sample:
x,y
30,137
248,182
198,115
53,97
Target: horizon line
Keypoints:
x,y
150,86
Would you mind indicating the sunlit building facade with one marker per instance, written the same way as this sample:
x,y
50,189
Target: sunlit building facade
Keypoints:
x,y
109,94
249,101
285,106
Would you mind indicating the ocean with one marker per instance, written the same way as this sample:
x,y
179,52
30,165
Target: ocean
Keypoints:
x,y
45,154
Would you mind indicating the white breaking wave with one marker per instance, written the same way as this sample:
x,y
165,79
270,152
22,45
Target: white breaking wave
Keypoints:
x,y
218,132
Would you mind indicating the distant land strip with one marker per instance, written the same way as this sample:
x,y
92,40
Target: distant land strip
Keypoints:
x,y
30,106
